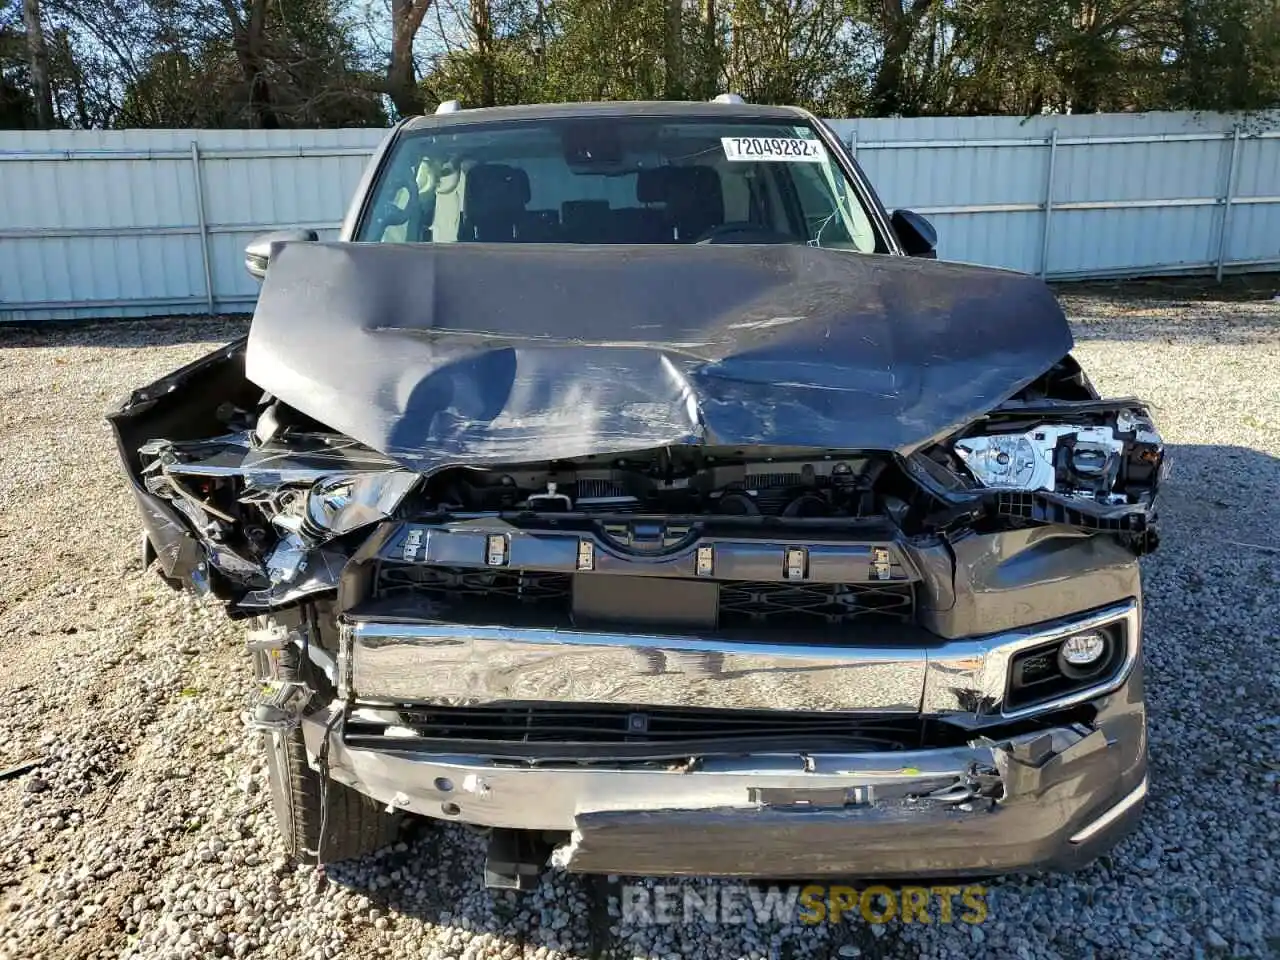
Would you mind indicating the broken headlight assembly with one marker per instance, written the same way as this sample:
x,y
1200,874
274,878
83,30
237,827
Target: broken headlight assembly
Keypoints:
x,y
1113,461
331,507
338,505
1091,464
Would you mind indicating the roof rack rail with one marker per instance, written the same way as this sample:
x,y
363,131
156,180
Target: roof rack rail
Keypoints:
x,y
727,98
449,106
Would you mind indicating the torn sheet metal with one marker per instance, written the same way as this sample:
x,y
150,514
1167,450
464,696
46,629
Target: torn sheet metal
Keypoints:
x,y
296,574
307,458
469,353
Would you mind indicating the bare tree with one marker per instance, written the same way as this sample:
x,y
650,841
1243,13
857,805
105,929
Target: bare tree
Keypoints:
x,y
673,51
482,27
402,81
898,22
247,31
38,59
712,50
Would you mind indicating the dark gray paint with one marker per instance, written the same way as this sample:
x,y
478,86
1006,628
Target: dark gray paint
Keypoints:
x,y
1016,578
503,353
1030,827
609,110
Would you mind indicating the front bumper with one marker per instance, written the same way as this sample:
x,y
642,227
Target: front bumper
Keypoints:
x,y
1008,785
1052,799
909,673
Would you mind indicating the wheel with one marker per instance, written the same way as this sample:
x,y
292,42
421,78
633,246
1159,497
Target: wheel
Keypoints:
x,y
353,824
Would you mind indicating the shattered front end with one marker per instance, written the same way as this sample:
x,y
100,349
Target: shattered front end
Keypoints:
x,y
630,606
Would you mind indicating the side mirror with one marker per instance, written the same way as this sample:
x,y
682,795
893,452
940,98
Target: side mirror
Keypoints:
x,y
258,253
916,234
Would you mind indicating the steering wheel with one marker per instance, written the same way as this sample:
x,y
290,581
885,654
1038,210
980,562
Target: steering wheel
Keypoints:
x,y
743,231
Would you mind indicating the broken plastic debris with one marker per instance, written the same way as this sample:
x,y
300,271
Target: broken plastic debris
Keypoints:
x,y
476,785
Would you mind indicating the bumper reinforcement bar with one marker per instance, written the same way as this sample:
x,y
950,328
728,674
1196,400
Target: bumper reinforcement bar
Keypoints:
x,y
983,808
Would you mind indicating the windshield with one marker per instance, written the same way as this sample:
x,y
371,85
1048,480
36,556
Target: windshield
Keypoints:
x,y
616,180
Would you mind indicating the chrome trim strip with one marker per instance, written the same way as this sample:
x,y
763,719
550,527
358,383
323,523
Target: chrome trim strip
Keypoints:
x,y
457,664
966,669
1114,813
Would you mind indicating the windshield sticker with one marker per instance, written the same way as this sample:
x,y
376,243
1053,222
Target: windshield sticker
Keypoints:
x,y
785,149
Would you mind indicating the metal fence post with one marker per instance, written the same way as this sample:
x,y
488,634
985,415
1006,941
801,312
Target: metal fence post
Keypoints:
x,y
853,144
1224,225
204,227
1048,204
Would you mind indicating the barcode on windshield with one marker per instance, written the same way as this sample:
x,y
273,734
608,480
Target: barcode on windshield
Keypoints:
x,y
785,149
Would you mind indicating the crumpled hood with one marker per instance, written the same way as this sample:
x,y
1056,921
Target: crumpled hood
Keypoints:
x,y
442,354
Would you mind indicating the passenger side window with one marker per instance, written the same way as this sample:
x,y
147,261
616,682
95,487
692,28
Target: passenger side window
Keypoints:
x,y
822,218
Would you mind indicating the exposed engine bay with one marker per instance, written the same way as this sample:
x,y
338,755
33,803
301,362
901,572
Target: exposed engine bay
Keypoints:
x,y
277,486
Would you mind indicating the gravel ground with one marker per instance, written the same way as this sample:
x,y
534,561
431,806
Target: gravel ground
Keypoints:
x,y
143,830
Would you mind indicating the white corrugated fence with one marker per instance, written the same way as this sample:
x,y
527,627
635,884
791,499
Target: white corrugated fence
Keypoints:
x,y
138,222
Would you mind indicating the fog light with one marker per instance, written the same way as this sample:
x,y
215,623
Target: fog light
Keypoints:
x,y
586,555
706,561
1083,649
496,555
797,563
1082,653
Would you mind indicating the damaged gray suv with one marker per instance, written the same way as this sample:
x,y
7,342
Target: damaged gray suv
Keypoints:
x,y
626,482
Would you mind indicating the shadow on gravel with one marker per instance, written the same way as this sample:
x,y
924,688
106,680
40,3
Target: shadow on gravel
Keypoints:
x,y
1173,321
1235,288
1242,309
124,332
435,876
1233,492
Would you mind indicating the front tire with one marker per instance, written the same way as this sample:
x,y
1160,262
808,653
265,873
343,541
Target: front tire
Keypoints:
x,y
354,825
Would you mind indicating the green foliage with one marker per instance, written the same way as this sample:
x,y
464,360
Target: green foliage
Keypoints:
x,y
17,107
880,57
291,63
326,62
1227,56
806,52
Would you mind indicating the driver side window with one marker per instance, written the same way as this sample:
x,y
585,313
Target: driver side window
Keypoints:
x,y
410,211
737,186
752,196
